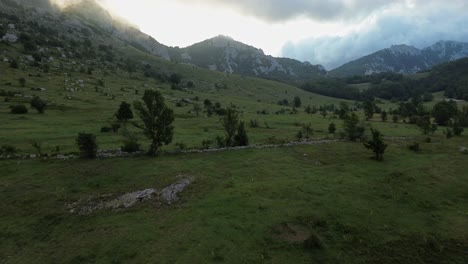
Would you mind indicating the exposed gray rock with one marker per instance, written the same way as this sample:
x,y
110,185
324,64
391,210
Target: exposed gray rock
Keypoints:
x,y
130,199
105,202
10,38
169,194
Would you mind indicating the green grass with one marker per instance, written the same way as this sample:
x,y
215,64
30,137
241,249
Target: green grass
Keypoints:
x,y
411,208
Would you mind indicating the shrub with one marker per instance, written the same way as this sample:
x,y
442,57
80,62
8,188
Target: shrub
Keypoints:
x,y
206,144
87,145
19,109
130,142
254,123
22,82
332,128
14,64
115,128
106,129
414,147
7,150
377,144
38,104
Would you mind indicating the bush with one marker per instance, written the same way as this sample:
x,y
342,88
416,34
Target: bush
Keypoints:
x,y
206,144
19,109
87,145
14,64
254,123
7,150
38,104
414,147
106,129
130,146
22,82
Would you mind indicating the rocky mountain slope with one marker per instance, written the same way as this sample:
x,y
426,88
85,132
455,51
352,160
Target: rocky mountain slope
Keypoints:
x,y
220,53
404,59
224,54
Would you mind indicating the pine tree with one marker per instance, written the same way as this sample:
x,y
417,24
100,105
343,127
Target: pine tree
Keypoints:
x,y
377,144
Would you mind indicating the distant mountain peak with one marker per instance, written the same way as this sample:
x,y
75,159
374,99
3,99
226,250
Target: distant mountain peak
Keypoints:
x,y
404,49
404,59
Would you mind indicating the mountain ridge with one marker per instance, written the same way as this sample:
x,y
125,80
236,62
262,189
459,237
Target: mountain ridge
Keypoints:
x,y
404,59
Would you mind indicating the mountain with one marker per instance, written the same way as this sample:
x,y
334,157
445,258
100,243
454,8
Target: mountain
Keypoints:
x,y
224,54
404,59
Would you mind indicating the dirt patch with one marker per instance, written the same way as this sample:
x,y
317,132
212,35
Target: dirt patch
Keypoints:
x,y
292,233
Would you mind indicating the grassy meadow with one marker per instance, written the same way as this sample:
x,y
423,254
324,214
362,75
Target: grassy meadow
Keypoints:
x,y
324,203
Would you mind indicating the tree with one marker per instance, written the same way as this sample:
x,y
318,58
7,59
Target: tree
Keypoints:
x,y
443,111
426,125
22,82
38,104
368,109
14,64
306,132
377,144
332,128
297,102
124,113
241,138
157,119
197,109
395,118
456,127
384,116
87,145
230,123
344,110
175,78
352,129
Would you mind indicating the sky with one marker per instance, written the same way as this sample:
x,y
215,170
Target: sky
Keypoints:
x,y
323,32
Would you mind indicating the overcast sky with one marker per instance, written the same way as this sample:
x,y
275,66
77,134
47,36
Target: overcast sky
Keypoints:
x,y
328,32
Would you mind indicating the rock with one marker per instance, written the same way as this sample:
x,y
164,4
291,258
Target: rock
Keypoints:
x,y
30,58
169,194
11,26
463,150
10,38
130,199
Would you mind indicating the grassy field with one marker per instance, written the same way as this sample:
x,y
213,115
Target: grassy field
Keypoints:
x,y
328,203
251,206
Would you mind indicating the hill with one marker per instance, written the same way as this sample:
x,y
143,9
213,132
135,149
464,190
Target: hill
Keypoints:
x,y
224,54
403,59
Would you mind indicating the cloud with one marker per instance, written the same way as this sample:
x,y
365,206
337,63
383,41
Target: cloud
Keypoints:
x,y
415,23
319,10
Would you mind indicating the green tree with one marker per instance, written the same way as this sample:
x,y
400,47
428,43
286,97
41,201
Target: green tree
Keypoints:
x,y
87,145
14,64
369,109
230,123
384,116
124,113
306,132
377,144
22,82
353,130
297,102
456,127
332,128
241,138
426,125
157,119
444,111
38,104
344,110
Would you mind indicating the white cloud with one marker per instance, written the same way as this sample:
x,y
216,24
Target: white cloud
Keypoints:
x,y
414,23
